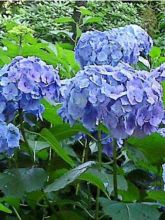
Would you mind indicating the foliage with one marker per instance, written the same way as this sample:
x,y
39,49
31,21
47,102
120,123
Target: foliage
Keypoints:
x,y
57,172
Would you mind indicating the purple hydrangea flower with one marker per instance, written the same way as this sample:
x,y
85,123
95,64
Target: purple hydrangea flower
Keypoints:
x,y
9,137
129,102
23,83
111,47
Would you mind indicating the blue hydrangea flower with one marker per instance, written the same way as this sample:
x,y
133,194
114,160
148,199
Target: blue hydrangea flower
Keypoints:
x,y
161,131
129,102
159,73
144,41
111,47
9,137
22,85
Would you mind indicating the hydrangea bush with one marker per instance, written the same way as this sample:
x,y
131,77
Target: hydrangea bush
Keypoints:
x,y
110,47
106,106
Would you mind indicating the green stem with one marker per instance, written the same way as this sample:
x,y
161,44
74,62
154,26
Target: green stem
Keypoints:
x,y
99,164
20,44
17,214
23,132
82,161
115,169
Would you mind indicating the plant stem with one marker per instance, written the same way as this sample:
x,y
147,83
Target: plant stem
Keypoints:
x,y
86,146
23,132
17,214
115,169
20,45
99,163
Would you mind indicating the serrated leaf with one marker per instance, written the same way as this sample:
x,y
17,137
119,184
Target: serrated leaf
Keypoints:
x,y
129,211
16,182
69,177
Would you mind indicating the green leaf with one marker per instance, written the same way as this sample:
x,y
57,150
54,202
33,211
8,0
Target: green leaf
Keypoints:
x,y
4,209
85,11
155,52
157,196
69,177
62,32
148,145
56,146
92,177
91,20
103,180
131,195
62,132
64,20
16,182
78,31
50,113
129,211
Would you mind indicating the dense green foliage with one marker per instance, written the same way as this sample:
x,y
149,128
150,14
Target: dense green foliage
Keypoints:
x,y
59,179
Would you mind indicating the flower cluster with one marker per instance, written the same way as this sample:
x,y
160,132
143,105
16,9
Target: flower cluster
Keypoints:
x,y
111,47
128,102
159,73
144,41
9,137
23,83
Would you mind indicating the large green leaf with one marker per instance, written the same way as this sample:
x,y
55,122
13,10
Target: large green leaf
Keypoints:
x,y
92,177
103,180
69,177
56,146
157,196
131,195
129,211
152,146
15,182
